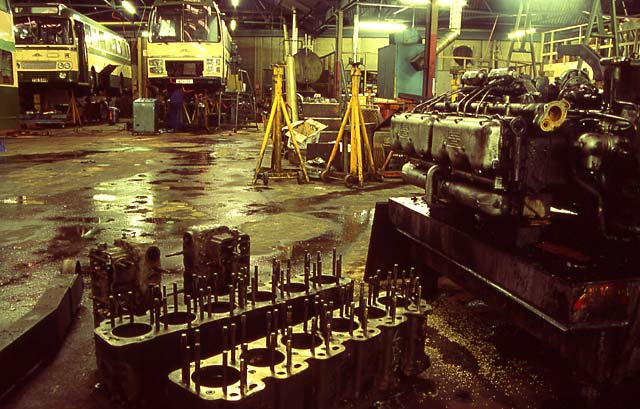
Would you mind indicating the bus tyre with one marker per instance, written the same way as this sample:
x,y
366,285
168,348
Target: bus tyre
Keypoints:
x,y
93,82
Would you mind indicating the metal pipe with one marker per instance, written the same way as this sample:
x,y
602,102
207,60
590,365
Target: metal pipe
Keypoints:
x,y
448,38
290,72
455,26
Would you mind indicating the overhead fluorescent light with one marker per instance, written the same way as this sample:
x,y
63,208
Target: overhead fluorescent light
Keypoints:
x,y
235,3
381,26
128,7
233,25
520,33
442,3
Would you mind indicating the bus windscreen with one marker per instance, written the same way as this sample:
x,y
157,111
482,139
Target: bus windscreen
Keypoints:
x,y
35,30
184,23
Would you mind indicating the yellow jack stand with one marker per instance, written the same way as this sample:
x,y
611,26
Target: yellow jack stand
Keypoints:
x,y
359,138
273,131
73,113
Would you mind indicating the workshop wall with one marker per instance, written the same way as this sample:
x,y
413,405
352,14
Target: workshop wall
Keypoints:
x,y
259,53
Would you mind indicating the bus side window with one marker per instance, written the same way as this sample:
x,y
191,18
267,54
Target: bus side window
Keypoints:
x,y
6,68
119,47
88,38
103,42
95,37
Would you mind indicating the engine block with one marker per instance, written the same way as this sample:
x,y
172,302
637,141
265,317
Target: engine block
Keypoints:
x,y
513,153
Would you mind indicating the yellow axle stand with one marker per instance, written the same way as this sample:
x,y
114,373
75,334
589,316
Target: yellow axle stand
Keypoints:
x,y
273,132
359,138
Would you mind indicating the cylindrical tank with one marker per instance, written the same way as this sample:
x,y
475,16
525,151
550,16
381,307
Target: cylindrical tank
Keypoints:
x,y
308,66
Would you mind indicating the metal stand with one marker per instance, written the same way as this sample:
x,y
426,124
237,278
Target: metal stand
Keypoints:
x,y
358,137
278,110
201,111
73,113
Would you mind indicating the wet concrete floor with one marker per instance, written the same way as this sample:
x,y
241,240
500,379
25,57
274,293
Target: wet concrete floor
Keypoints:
x,y
63,193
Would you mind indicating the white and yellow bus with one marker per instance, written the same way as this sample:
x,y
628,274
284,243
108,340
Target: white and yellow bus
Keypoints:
x,y
189,44
57,45
8,76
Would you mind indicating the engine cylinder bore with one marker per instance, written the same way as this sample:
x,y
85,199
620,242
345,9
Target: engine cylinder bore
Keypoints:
x,y
302,340
262,357
325,279
295,287
374,313
218,307
214,376
261,296
343,325
131,330
178,317
400,301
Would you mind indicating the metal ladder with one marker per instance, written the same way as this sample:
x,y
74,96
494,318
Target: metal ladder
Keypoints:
x,y
525,45
595,19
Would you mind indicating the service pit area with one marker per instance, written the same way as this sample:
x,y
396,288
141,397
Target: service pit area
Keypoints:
x,y
63,193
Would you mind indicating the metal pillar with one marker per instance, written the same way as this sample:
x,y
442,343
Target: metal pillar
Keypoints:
x,y
143,83
337,67
290,73
431,40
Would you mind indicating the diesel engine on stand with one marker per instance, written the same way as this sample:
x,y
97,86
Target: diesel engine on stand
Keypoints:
x,y
521,156
531,198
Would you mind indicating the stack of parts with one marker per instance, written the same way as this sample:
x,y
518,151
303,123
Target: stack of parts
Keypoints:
x,y
135,353
339,353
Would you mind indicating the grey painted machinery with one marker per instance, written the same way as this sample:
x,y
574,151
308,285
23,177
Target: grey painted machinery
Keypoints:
x,y
508,150
530,201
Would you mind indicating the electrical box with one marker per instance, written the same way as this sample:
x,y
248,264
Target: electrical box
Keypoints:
x,y
399,70
145,115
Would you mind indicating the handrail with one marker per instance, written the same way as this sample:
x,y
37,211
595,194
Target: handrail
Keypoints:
x,y
549,40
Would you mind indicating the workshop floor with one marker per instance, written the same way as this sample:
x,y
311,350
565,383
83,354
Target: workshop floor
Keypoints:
x,y
64,192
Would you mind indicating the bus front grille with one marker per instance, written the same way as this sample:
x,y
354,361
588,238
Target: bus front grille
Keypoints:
x,y
37,65
185,68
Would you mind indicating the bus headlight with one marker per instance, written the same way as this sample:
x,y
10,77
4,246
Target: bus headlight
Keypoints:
x,y
211,68
65,65
155,62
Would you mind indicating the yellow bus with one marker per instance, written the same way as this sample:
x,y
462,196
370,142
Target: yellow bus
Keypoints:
x,y
189,44
8,76
57,45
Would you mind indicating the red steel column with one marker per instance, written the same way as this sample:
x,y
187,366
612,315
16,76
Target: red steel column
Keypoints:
x,y
431,41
